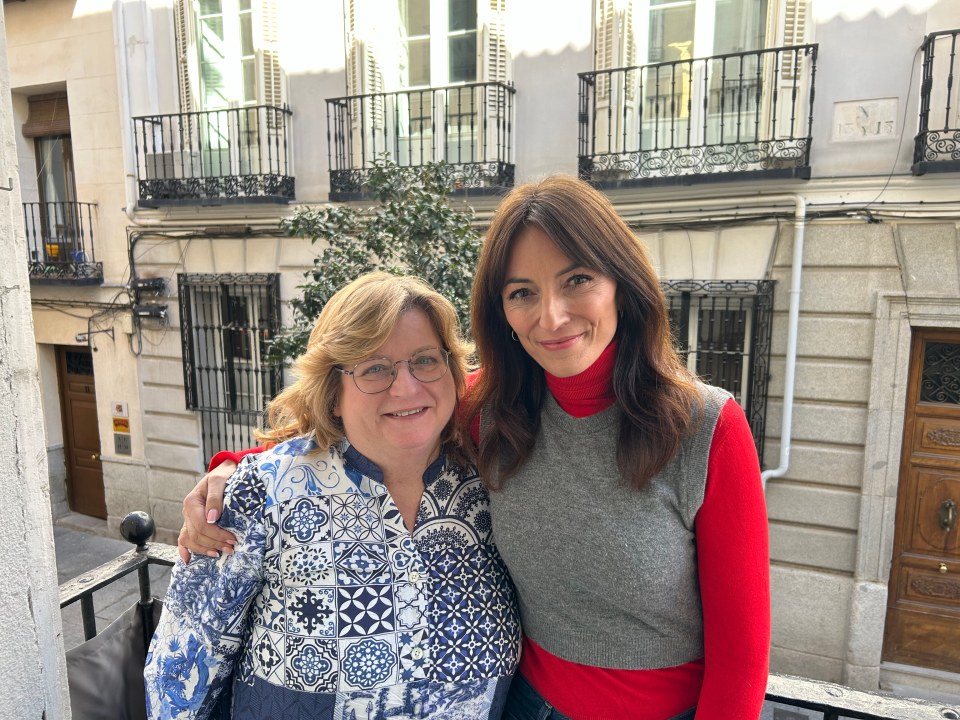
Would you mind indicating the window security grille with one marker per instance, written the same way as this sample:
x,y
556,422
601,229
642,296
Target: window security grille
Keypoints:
x,y
723,330
226,322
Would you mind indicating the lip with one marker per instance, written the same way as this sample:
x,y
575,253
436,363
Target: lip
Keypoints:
x,y
560,344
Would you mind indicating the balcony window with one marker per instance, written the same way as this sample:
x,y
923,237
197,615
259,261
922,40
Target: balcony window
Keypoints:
x,y
723,330
226,323
695,90
59,230
427,82
229,142
937,146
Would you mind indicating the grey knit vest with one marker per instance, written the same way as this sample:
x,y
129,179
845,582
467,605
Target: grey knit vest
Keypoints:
x,y
606,574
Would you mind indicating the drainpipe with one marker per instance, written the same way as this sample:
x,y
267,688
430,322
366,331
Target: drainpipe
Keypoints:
x,y
793,324
667,208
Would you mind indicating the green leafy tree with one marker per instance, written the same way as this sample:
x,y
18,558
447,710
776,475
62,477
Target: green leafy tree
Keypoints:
x,y
412,229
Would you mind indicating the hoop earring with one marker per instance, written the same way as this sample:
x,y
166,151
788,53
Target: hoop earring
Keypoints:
x,y
513,334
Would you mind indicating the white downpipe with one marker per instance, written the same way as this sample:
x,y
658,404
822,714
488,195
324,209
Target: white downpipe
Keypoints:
x,y
793,318
793,325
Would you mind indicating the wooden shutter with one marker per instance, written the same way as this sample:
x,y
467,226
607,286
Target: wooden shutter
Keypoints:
x,y
184,21
267,47
493,44
794,33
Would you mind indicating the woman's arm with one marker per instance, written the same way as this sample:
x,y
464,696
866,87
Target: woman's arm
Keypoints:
x,y
201,630
203,505
734,568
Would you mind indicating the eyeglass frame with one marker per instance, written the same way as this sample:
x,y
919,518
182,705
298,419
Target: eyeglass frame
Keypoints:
x,y
445,354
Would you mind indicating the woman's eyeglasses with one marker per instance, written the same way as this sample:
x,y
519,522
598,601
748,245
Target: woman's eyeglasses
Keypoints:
x,y
375,375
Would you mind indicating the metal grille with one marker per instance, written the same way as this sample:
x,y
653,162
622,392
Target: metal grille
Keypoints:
x,y
723,330
941,373
226,324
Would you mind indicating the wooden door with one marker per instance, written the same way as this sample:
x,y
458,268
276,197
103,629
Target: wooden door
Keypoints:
x,y
81,433
923,606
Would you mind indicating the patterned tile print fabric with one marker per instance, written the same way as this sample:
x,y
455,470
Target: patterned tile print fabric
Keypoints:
x,y
330,609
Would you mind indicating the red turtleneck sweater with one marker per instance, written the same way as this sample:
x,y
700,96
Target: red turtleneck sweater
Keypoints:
x,y
729,682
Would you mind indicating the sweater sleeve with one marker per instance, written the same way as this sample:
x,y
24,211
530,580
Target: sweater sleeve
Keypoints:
x,y
200,633
734,570
224,455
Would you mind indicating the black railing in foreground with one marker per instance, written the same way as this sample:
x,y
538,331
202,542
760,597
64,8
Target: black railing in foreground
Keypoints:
x,y
937,145
468,127
789,698
137,528
214,155
734,113
60,242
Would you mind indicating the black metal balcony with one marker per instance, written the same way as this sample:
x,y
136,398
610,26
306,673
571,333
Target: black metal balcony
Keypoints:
x,y
60,246
467,127
718,118
937,145
214,157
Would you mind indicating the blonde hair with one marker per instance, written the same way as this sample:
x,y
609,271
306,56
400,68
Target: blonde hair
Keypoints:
x,y
354,323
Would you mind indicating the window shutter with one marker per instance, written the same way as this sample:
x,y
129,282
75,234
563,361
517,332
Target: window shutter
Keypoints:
x,y
49,114
271,90
794,33
605,25
186,47
363,74
493,47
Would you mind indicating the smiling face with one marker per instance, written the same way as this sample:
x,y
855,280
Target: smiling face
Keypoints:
x,y
564,315
401,425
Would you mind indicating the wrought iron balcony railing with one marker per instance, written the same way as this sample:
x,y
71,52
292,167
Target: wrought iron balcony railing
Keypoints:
x,y
214,156
787,698
468,127
699,119
60,243
937,145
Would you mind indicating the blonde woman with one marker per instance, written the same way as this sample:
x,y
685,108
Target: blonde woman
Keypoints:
x,y
364,582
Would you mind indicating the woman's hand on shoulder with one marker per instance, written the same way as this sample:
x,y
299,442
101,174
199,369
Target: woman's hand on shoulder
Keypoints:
x,y
201,509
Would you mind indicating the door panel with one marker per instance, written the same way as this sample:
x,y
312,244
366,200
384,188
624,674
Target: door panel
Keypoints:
x,y
923,607
81,435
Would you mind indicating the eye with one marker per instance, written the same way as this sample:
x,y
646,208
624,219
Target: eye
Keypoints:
x,y
425,361
373,369
580,279
518,294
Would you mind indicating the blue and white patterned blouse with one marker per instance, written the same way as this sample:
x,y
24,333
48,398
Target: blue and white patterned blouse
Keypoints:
x,y
329,609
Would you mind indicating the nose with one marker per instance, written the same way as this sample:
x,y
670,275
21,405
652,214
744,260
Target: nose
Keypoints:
x,y
553,311
403,378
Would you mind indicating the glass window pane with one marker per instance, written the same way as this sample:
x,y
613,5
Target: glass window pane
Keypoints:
x,y
463,58
246,34
740,25
244,5
211,28
418,71
416,17
671,33
463,14
249,81
210,7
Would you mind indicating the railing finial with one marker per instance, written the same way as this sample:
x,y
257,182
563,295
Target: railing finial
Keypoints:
x,y
137,527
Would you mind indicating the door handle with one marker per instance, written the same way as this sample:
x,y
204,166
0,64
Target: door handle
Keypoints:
x,y
95,456
947,515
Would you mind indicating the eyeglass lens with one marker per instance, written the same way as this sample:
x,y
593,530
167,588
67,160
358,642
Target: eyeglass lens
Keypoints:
x,y
377,374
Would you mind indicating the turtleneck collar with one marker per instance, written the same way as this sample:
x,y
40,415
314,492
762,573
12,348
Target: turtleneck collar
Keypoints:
x,y
588,392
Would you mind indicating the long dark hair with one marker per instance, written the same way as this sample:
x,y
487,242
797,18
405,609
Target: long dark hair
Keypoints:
x,y
656,394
